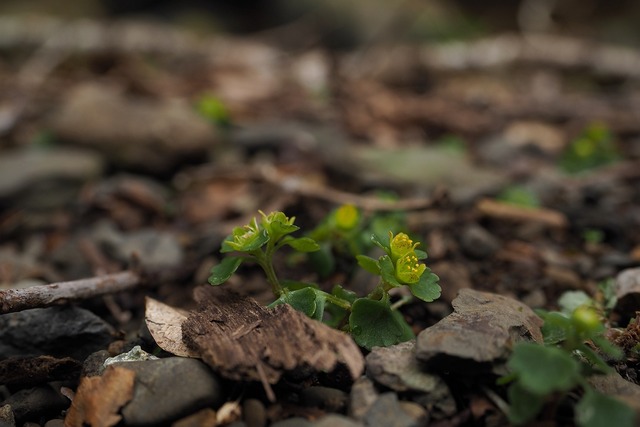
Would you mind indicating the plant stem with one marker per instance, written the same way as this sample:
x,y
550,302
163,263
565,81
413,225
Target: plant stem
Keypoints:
x,y
265,260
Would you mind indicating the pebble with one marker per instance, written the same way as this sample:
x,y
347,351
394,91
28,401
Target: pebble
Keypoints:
x,y
203,418
387,412
56,422
477,242
35,402
293,422
168,389
335,420
627,291
254,413
326,398
55,331
363,395
6,416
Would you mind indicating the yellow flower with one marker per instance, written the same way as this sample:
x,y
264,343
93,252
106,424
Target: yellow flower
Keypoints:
x,y
347,217
408,269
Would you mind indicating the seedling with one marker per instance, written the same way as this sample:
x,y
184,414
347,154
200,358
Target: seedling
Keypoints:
x,y
542,372
519,196
592,149
371,320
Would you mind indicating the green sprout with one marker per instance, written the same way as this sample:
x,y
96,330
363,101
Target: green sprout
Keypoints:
x,y
541,373
214,110
592,149
371,320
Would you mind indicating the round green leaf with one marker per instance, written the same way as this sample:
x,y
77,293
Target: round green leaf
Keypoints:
x,y
303,244
382,242
374,323
427,288
598,410
388,271
523,406
221,272
542,370
369,264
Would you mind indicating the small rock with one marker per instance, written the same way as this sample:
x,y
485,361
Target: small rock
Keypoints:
x,y
477,242
136,354
627,289
397,368
45,179
254,413
481,330
56,422
363,395
6,416
415,411
167,389
151,135
94,364
614,385
203,418
55,331
329,399
293,422
36,402
335,420
387,412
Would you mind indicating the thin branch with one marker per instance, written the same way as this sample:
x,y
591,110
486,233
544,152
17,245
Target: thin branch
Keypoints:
x,y
13,300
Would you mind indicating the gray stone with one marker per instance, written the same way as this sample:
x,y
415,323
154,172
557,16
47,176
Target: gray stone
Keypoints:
x,y
387,412
363,395
627,291
330,399
35,402
55,331
335,420
6,416
415,411
56,422
396,367
478,242
168,389
155,249
481,330
45,179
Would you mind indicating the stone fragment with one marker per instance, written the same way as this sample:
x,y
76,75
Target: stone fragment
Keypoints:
x,y
203,418
335,420
327,398
254,413
55,331
363,395
627,291
168,389
477,242
387,412
6,416
396,367
481,330
32,403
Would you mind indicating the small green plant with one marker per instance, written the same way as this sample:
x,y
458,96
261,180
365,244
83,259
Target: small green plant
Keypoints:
x,y
372,320
519,196
542,373
592,149
214,110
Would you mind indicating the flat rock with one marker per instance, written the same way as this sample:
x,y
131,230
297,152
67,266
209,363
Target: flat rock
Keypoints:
x,y
396,367
627,291
46,178
151,134
335,420
614,385
32,403
363,395
387,412
481,330
169,389
54,331
243,340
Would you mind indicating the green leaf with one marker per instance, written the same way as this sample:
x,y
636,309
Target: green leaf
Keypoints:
x,y
221,272
308,300
279,229
608,347
523,406
382,242
542,370
427,288
556,327
374,323
244,242
369,264
598,410
420,254
302,244
344,294
388,271
323,261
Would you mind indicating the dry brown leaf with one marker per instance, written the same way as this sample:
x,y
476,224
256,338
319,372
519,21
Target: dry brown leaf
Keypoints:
x,y
165,325
98,401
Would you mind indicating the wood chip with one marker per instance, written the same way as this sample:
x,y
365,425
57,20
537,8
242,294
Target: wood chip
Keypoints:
x,y
99,400
245,341
165,325
505,211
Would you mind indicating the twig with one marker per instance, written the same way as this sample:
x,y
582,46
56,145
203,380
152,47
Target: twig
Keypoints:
x,y
13,300
505,211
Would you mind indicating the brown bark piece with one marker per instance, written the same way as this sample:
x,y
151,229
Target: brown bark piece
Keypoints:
x,y
165,325
245,341
99,399
41,369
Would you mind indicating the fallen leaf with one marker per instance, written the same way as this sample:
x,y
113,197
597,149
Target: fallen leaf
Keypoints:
x,y
165,325
98,401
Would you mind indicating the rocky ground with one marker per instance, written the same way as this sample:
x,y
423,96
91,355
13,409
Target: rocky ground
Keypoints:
x,y
136,148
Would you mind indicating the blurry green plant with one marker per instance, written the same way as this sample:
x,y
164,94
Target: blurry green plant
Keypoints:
x,y
593,235
541,373
592,149
345,233
519,196
214,110
371,320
